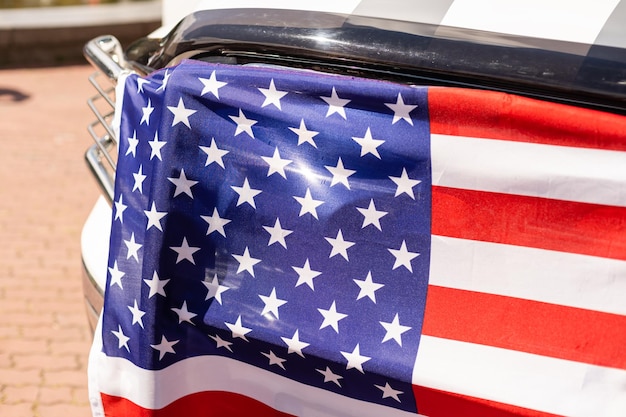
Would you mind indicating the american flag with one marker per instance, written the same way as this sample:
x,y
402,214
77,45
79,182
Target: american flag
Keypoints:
x,y
293,242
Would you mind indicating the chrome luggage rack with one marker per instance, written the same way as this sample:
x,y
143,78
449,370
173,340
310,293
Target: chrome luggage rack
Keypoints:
x,y
106,55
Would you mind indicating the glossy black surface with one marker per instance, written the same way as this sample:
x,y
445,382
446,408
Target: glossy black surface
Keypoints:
x,y
586,75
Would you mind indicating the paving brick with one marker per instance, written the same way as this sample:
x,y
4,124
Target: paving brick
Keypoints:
x,y
62,410
65,378
64,304
80,396
21,345
45,362
54,332
11,304
22,394
15,377
58,285
56,395
73,319
44,336
8,331
24,318
6,360
10,282
16,410
33,293
73,346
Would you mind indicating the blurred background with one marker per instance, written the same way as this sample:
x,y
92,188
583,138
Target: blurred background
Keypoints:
x,y
47,3
46,193
53,32
7,4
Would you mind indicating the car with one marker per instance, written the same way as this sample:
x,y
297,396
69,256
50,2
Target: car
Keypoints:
x,y
524,240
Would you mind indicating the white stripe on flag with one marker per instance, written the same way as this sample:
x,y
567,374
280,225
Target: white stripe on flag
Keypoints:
x,y
528,169
537,382
562,278
573,21
156,389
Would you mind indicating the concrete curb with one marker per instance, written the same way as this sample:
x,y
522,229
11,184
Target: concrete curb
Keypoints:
x,y
56,36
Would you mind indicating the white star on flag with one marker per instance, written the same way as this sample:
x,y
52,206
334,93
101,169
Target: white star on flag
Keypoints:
x,y
389,392
132,145
274,360
156,146
156,285
369,144
184,314
329,376
137,314
340,246
133,248
304,135
211,85
164,347
147,111
272,95
246,262
139,179
331,317
368,287
340,174
185,252
309,205
214,289
403,257
119,209
243,124
116,276
221,343
277,234
140,84
371,215
394,330
335,104
122,339
214,154
183,184
355,359
246,194
154,217
272,303
306,275
181,114
231,159
405,184
166,78
238,330
216,223
276,164
401,111
295,345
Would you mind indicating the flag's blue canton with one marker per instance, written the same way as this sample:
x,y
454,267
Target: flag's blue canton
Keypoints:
x,y
278,217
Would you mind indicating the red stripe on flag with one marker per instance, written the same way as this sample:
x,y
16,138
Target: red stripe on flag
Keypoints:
x,y
484,114
436,403
565,226
202,404
529,326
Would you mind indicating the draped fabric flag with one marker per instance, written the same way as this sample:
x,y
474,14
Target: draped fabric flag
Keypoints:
x,y
288,242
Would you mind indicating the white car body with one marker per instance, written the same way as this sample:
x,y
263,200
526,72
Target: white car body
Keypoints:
x,y
577,23
573,28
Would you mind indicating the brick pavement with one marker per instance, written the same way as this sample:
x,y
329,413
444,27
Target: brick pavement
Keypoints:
x,y
46,193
